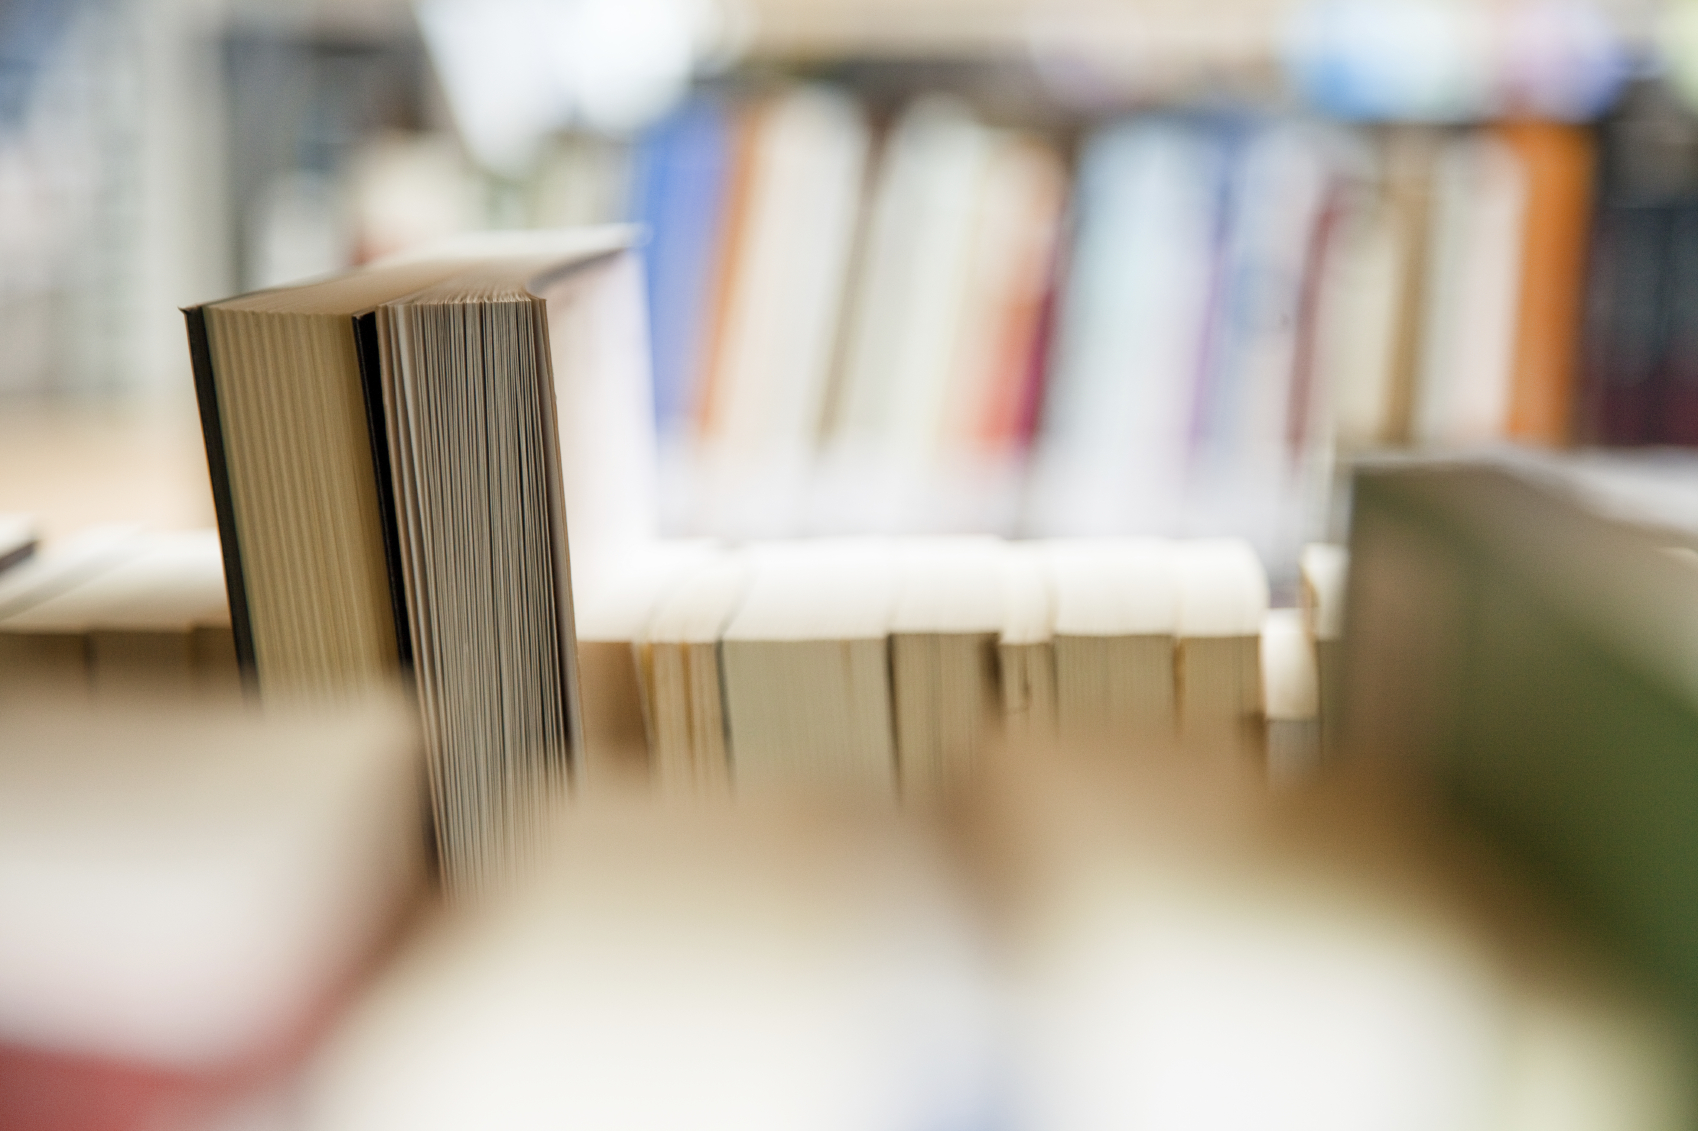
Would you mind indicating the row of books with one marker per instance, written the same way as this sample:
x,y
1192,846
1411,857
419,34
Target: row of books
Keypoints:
x,y
894,666
947,325
705,666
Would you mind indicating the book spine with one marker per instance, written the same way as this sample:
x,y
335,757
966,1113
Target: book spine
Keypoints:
x,y
1675,415
1559,161
223,503
371,388
1625,330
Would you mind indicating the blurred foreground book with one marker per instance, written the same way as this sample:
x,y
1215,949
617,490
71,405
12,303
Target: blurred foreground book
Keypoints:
x,y
189,898
1527,640
1086,942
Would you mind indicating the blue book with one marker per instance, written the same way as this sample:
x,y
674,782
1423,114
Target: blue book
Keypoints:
x,y
679,186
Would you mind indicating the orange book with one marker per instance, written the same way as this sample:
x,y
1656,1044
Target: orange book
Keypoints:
x,y
1558,160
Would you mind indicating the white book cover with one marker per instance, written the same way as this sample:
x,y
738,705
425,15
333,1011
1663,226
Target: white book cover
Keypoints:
x,y
1253,404
1474,262
1360,297
905,319
781,320
980,458
1111,454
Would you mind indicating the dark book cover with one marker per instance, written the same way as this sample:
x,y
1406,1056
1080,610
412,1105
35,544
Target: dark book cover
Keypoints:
x,y
1640,339
1676,415
371,385
224,506
1625,328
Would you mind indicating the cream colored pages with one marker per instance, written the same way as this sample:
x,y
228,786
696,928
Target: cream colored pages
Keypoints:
x,y
299,459
469,396
687,724
1026,649
943,656
1116,612
770,375
612,609
1223,603
807,670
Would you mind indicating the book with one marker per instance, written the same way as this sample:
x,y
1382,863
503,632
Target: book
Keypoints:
x,y
807,670
683,193
1529,657
940,325
895,667
1291,697
1114,440
391,464
1558,162
1081,943
679,650
806,966
1116,616
903,318
65,563
1325,569
1252,439
611,617
793,230
1411,157
944,628
681,180
1025,651
153,625
194,893
1636,293
1675,419
1464,383
1361,304
996,380
1161,923
1222,604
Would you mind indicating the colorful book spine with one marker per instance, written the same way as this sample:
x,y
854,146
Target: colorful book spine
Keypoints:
x,y
682,172
1557,161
